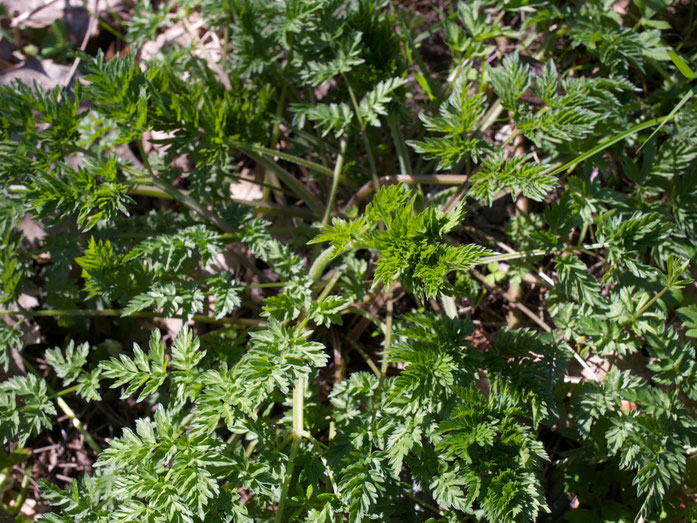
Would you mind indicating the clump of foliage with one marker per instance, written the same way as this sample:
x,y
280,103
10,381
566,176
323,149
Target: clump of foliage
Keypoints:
x,y
583,116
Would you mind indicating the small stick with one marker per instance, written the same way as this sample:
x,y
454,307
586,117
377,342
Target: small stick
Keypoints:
x,y
26,15
90,28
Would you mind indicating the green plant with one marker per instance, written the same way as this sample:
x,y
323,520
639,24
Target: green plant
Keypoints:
x,y
244,422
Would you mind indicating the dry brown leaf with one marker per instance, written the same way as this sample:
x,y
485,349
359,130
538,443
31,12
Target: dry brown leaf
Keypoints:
x,y
45,72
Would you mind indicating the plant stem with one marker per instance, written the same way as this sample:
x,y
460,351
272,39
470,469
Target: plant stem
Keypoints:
x,y
330,285
538,321
647,305
420,502
298,405
365,356
388,336
182,198
242,322
528,254
514,134
295,185
605,144
364,135
66,410
299,390
147,182
320,264
260,149
490,117
78,425
335,182
64,392
259,205
434,87
166,187
369,316
391,179
399,145
278,209
22,496
383,364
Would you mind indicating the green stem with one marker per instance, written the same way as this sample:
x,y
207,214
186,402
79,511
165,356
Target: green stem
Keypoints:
x,y
418,501
321,263
299,391
605,144
330,285
277,209
371,160
309,437
648,304
365,356
276,132
166,187
78,425
260,149
391,179
490,117
148,182
182,198
66,410
399,144
383,364
269,285
458,70
388,338
284,93
22,496
295,447
364,136
368,316
102,23
242,322
148,190
433,86
335,182
64,392
295,185
510,138
298,412
259,205
298,407
226,38
527,254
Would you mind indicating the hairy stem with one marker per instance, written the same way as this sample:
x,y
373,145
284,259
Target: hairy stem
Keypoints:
x,y
320,264
298,422
295,447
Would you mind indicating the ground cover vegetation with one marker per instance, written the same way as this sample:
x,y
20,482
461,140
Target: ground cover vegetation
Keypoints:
x,y
459,286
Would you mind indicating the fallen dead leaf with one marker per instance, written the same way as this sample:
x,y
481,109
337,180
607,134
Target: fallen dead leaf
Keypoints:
x,y
45,72
244,189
